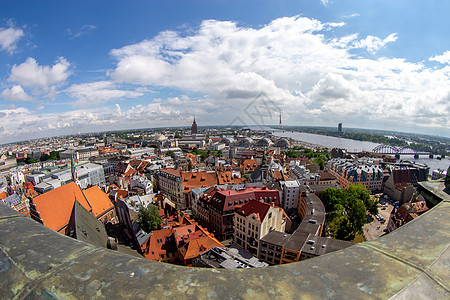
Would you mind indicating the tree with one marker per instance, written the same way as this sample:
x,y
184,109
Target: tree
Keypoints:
x,y
357,214
341,228
148,218
320,162
359,191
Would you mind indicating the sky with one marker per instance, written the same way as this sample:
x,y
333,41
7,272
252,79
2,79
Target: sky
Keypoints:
x,y
88,66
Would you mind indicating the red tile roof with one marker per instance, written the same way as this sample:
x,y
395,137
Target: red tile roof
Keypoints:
x,y
249,165
55,206
228,178
98,200
197,246
172,171
160,242
225,200
192,180
259,209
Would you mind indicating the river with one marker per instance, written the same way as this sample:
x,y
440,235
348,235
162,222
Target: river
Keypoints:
x,y
354,146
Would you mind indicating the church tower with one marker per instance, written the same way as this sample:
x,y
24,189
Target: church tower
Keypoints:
x,y
194,128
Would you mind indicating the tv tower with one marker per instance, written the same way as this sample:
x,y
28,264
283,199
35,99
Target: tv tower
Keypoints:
x,y
280,125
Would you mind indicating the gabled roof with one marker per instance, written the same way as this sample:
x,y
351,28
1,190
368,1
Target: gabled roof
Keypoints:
x,y
225,200
131,172
197,246
56,205
228,178
3,195
193,180
99,201
259,209
249,165
159,242
172,171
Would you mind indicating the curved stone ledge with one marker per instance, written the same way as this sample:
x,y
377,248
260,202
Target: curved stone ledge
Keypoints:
x,y
409,263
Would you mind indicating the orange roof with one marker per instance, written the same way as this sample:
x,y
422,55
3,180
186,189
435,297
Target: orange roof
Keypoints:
x,y
99,201
228,178
277,175
131,172
196,247
55,206
172,171
249,165
122,194
157,244
192,180
3,195
192,157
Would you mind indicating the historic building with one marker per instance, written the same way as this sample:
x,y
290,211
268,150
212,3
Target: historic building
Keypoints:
x,y
254,220
194,128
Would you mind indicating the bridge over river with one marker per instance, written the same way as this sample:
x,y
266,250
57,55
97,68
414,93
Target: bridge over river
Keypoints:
x,y
398,151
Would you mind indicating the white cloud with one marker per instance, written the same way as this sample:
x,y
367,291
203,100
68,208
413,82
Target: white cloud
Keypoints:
x,y
215,72
443,59
16,93
30,74
294,63
9,38
98,92
354,15
22,123
85,29
373,43
324,2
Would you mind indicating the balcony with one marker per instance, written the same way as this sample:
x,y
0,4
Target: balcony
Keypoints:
x,y
410,263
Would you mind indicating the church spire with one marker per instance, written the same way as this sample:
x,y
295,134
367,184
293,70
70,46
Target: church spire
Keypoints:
x,y
194,128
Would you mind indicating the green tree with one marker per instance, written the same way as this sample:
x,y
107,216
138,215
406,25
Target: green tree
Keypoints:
x,y
148,218
357,214
195,151
320,162
360,191
341,228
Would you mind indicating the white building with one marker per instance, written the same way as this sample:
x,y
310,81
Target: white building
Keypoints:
x,y
291,192
88,174
253,221
141,182
79,153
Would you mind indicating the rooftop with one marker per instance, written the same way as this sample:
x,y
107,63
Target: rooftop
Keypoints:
x,y
409,263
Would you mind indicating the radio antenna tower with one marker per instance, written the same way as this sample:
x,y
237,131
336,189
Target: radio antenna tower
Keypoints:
x,y
280,126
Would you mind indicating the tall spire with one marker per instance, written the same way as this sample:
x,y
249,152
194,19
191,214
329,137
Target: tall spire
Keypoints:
x,y
73,170
194,128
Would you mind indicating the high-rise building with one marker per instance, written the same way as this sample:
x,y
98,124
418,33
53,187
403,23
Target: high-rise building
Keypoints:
x,y
340,127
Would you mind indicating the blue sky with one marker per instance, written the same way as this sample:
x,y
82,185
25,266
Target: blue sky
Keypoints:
x,y
83,66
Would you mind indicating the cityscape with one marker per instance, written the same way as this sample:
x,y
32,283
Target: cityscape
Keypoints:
x,y
191,167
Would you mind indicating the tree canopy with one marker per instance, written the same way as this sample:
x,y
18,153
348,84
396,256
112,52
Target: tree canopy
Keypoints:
x,y
346,210
148,218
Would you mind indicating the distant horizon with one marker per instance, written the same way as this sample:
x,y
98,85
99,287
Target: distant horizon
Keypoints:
x,y
68,67
224,126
